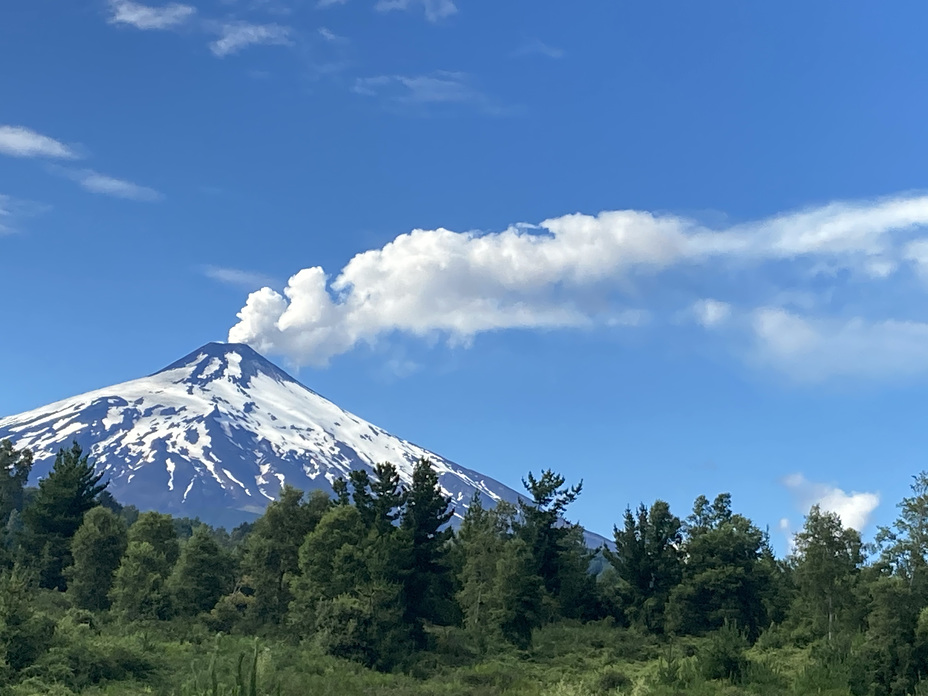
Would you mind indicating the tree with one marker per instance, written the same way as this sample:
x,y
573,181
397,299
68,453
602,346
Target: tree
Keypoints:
x,y
725,577
271,551
429,582
24,633
15,466
202,575
648,562
56,512
904,544
139,591
158,530
97,550
560,556
827,562
517,604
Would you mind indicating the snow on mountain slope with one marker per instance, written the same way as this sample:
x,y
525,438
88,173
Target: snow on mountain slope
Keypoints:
x,y
217,433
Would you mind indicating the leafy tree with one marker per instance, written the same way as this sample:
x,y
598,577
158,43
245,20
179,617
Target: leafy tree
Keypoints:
x,y
648,561
827,563
429,583
724,577
202,574
271,550
24,633
158,530
559,554
139,587
56,512
904,544
97,550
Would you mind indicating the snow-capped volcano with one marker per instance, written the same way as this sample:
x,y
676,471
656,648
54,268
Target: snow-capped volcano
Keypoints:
x,y
217,433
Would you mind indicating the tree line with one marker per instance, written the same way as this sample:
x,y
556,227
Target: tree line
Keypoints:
x,y
370,572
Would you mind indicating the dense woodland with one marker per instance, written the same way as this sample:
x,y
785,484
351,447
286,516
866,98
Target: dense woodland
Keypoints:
x,y
370,591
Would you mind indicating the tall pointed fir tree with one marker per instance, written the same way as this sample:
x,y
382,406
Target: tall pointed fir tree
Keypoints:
x,y
57,510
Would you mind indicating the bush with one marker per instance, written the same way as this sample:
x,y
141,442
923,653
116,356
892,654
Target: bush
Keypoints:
x,y
612,679
723,654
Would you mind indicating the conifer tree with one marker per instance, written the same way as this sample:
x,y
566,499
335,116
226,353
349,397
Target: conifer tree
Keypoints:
x,y
97,550
57,510
157,529
429,582
15,466
139,589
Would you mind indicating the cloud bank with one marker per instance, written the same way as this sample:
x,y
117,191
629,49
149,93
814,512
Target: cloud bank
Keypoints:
x,y
586,271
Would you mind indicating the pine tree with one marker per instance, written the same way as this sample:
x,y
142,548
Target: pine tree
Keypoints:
x,y
57,511
429,581
97,549
519,592
15,466
202,574
648,562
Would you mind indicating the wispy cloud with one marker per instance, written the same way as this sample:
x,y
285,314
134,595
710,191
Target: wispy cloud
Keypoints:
x,y
854,508
236,276
146,17
461,284
331,36
18,141
235,36
433,89
12,210
330,3
537,47
435,10
96,182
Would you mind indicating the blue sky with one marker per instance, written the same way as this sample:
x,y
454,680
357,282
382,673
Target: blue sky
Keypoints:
x,y
669,248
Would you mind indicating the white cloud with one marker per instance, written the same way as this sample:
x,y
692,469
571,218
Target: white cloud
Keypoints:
x,y
435,10
330,3
110,186
331,36
853,508
236,276
537,47
462,284
441,87
711,313
18,141
145,17
818,349
234,36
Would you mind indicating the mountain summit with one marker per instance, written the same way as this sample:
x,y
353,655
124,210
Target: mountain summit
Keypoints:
x,y
217,434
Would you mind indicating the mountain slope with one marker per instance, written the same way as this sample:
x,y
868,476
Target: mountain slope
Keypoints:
x,y
217,433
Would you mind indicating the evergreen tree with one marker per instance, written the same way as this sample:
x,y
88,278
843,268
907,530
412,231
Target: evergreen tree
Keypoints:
x,y
15,466
139,587
904,544
648,562
827,563
559,554
57,510
429,582
388,497
97,550
519,590
202,574
24,633
271,550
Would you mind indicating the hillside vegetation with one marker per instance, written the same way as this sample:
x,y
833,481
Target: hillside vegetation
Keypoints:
x,y
369,591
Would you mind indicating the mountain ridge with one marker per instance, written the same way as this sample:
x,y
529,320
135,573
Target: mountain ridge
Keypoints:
x,y
218,432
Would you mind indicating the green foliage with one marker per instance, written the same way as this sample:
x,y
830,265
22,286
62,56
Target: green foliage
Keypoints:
x,y
271,551
202,574
57,510
723,655
15,466
648,562
139,586
24,633
97,550
158,530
